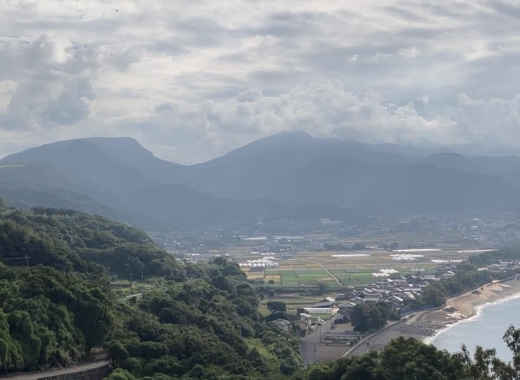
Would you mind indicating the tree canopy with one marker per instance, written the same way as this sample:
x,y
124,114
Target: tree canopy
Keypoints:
x,y
48,318
56,304
74,241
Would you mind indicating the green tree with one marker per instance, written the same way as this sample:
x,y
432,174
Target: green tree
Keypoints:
x,y
118,353
120,374
275,306
366,316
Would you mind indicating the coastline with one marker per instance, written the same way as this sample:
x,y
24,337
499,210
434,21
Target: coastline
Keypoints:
x,y
469,305
427,325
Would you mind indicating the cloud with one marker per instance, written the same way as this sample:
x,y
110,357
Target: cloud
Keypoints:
x,y
192,80
202,131
46,92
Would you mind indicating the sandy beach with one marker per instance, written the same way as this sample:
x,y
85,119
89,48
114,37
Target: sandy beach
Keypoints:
x,y
426,324
467,303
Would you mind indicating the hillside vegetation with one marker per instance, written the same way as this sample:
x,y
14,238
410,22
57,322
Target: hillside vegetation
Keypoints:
x,y
48,318
74,241
56,304
207,327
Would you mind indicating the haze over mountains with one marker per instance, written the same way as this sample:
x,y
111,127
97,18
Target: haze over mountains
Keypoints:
x,y
289,175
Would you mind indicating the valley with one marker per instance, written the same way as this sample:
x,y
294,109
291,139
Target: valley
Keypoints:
x,y
289,272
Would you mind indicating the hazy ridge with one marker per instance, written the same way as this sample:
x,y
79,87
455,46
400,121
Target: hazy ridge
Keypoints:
x,y
289,175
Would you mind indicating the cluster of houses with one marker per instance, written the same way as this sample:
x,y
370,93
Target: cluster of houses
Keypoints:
x,y
501,266
396,290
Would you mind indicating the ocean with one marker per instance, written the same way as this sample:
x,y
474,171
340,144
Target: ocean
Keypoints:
x,y
485,329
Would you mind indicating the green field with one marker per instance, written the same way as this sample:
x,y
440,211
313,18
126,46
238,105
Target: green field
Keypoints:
x,y
307,269
299,277
349,278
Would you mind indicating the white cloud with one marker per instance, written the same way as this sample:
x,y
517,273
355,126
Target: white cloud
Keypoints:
x,y
193,80
411,52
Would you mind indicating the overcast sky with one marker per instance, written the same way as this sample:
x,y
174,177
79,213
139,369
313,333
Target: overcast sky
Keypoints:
x,y
194,79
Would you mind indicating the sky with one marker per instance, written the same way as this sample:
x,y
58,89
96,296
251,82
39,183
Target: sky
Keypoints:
x,y
192,80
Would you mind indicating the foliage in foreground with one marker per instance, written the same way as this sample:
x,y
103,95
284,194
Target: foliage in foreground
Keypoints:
x,y
409,359
48,318
56,304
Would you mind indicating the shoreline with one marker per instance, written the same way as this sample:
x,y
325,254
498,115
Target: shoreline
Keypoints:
x,y
427,325
510,290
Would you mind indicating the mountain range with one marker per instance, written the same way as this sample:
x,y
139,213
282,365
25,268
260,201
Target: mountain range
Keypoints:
x,y
288,176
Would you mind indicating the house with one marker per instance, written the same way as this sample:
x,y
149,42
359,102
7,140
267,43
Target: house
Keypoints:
x,y
372,299
320,310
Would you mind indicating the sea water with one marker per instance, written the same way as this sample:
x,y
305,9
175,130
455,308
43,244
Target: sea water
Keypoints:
x,y
485,329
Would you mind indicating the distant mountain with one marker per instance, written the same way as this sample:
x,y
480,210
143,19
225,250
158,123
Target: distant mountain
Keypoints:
x,y
34,184
288,167
102,168
117,177
286,176
295,167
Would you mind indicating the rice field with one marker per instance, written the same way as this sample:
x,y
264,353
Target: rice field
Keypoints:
x,y
349,268
303,270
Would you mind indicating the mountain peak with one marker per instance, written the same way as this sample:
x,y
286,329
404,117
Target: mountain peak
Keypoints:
x,y
294,133
111,140
65,145
288,136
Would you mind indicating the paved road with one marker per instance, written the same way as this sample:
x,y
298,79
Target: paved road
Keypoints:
x,y
310,344
407,327
57,372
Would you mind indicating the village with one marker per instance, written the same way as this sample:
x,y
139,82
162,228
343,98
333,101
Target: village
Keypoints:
x,y
325,276
328,326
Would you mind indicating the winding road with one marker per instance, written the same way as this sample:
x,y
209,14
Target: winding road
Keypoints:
x,y
58,372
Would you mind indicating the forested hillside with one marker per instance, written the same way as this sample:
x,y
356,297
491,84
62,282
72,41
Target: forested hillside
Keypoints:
x,y
56,303
207,327
71,240
48,318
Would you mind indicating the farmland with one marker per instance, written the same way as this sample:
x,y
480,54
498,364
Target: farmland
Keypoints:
x,y
304,278
349,269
